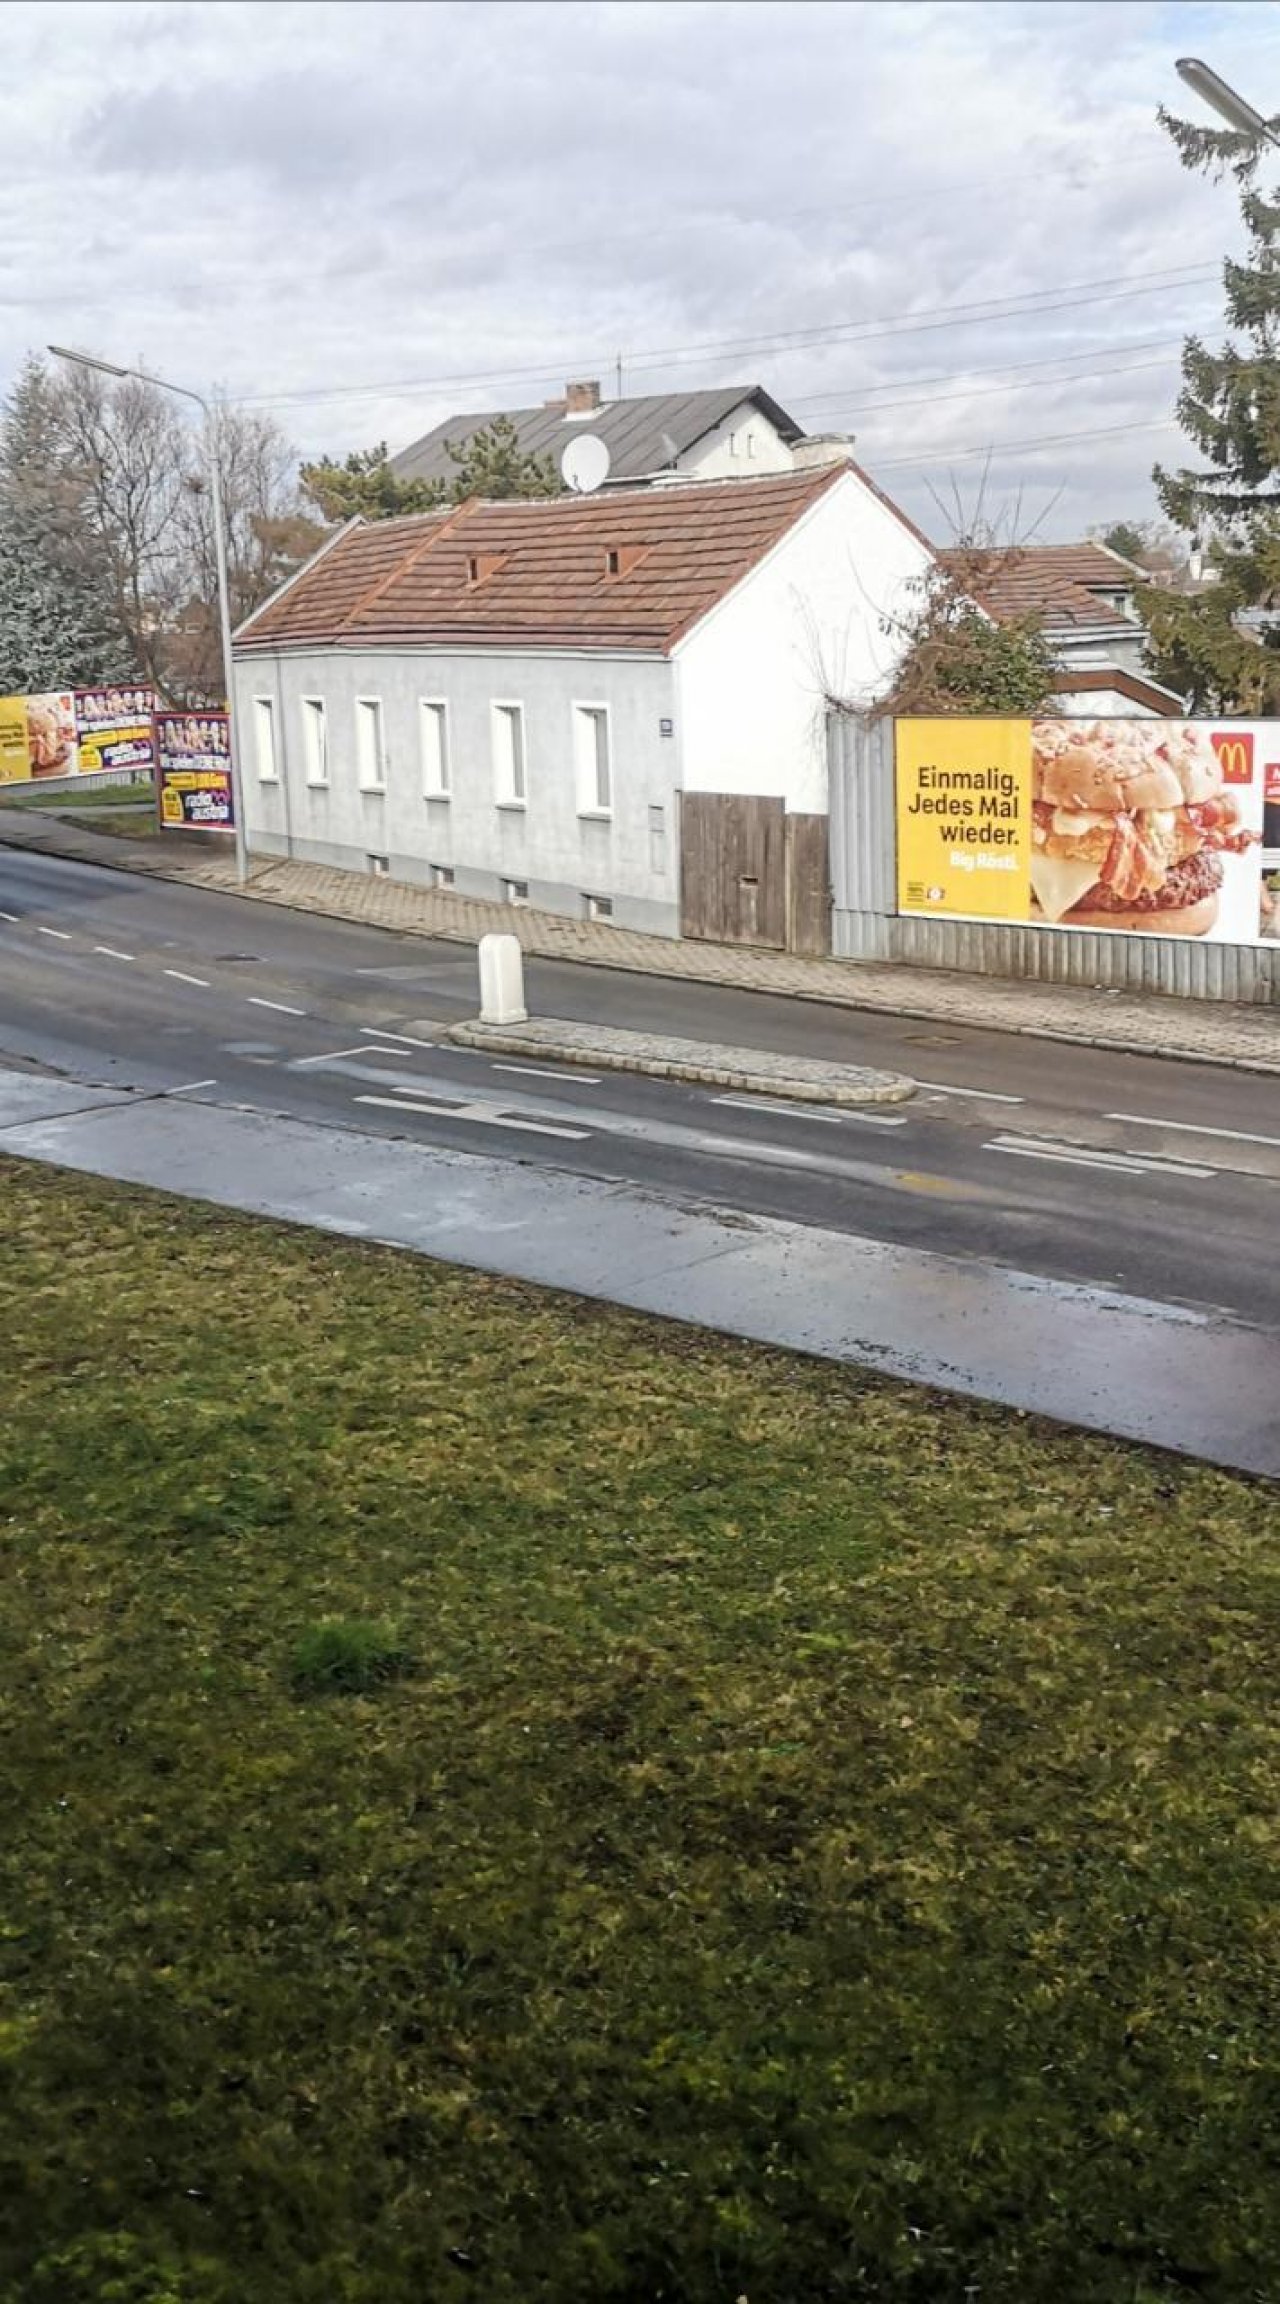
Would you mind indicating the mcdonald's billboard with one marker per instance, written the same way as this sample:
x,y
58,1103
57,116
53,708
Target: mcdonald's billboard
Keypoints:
x,y
1134,827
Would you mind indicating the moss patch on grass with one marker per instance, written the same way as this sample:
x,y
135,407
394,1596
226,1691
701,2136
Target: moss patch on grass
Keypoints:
x,y
826,1847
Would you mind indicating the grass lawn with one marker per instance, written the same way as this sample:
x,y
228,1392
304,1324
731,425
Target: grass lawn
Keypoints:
x,y
96,796
772,1835
125,824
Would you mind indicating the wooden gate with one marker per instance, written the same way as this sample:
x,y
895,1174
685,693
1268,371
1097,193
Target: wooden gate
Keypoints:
x,y
751,874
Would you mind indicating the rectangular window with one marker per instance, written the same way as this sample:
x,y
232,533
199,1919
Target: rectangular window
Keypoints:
x,y
315,741
433,740
380,866
592,763
599,907
442,875
371,759
264,739
507,738
516,891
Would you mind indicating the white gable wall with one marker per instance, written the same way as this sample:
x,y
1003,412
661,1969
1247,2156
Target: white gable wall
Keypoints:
x,y
742,447
754,675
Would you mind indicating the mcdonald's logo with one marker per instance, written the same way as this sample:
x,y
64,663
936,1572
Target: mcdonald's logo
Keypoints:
x,y
1234,748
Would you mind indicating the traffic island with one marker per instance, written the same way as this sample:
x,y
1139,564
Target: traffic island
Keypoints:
x,y
760,1072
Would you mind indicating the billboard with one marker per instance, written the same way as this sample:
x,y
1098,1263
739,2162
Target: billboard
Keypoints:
x,y
193,771
75,733
37,737
113,729
1137,827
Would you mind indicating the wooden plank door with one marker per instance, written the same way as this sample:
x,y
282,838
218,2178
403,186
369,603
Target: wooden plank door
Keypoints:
x,y
733,869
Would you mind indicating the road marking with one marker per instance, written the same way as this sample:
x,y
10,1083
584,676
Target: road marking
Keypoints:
x,y
1193,1128
109,952
281,1007
189,1087
13,916
402,1039
1076,1156
63,934
479,1113
332,1056
180,975
549,1072
982,1095
824,1112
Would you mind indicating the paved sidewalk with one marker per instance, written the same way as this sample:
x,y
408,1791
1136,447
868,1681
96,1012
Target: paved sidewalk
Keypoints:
x,y
802,1079
1199,1031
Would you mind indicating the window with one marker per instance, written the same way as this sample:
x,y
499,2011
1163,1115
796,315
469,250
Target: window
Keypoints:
x,y
433,741
264,739
599,907
591,759
657,840
612,561
515,891
371,759
315,742
380,866
507,738
442,875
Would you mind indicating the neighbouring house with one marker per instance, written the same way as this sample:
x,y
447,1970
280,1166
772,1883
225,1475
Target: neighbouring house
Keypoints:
x,y
738,432
610,706
1084,596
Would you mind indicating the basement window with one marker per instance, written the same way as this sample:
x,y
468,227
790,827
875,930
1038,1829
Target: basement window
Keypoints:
x,y
515,891
380,866
599,907
442,875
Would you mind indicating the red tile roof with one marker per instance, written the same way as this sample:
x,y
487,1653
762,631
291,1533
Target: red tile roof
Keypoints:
x,y
529,575
1061,583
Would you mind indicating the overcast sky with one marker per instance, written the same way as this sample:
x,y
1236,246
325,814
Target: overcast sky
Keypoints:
x,y
368,217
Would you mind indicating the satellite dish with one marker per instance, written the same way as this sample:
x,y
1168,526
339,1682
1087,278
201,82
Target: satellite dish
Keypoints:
x,y
585,464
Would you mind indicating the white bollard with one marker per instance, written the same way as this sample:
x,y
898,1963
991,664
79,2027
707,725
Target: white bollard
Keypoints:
x,y
502,981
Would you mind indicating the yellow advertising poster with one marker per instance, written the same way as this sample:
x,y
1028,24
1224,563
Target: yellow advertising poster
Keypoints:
x,y
964,818
37,737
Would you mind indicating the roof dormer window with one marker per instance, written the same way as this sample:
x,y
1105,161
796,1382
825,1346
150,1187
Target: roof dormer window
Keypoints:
x,y
620,559
482,565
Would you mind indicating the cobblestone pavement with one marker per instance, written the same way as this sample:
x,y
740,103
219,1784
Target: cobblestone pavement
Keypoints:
x,y
1203,1031
802,1078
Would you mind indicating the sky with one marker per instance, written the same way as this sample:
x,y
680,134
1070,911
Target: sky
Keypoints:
x,y
955,231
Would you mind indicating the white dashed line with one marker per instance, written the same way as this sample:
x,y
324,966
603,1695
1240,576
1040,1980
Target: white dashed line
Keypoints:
x,y
981,1095
281,1007
109,952
63,934
10,916
189,1087
549,1072
1192,1128
1075,1156
180,976
833,1118
480,1113
402,1039
332,1056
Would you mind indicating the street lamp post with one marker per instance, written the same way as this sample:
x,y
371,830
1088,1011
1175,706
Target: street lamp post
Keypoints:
x,y
184,392
1225,100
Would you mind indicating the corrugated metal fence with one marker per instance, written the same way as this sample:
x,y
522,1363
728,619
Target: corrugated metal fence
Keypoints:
x,y
867,926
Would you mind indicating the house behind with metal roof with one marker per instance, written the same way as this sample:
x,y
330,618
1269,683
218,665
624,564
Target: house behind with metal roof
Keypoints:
x,y
738,432
611,706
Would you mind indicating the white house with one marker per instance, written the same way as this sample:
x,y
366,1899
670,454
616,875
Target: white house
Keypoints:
x,y
735,432
1083,595
609,706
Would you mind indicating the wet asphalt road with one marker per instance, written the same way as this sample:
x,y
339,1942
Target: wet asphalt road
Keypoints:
x,y
1159,1179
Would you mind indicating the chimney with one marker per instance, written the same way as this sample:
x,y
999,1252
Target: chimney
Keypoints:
x,y
580,399
818,448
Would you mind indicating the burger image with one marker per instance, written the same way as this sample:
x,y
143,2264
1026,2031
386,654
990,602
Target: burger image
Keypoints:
x,y
1130,825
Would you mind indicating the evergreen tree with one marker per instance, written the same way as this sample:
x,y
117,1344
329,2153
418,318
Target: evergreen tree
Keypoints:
x,y
58,626
1229,407
492,463
365,484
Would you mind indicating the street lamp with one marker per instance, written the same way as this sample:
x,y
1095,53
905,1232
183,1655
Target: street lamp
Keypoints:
x,y
1223,99
184,392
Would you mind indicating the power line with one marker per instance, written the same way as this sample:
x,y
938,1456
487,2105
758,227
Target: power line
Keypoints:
x,y
1023,447
1030,304
1036,384
1002,368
